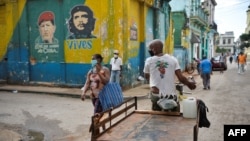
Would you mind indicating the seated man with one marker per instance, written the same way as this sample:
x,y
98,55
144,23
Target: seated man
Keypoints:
x,y
160,71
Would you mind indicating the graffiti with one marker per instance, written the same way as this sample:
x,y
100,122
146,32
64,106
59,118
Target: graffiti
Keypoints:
x,y
79,44
81,23
43,48
46,45
46,28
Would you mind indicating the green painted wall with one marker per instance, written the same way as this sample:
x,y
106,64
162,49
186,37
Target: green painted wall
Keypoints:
x,y
179,20
46,41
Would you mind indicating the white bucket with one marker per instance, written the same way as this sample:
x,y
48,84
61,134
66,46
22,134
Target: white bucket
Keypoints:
x,y
189,107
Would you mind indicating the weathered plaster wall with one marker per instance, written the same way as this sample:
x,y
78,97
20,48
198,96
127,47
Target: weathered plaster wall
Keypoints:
x,y
45,44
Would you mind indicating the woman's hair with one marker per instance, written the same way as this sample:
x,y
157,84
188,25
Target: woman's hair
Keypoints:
x,y
98,56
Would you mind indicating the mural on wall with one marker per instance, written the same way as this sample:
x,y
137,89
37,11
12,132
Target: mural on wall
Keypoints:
x,y
81,23
46,45
78,47
46,28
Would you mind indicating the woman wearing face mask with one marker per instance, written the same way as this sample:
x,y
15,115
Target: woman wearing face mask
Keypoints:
x,y
97,78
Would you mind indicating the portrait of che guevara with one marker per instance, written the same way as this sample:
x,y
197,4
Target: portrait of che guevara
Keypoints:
x,y
81,23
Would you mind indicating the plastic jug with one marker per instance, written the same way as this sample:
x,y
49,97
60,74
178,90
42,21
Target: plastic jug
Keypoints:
x,y
189,107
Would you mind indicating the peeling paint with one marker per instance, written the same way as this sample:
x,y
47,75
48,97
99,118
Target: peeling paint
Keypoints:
x,y
125,25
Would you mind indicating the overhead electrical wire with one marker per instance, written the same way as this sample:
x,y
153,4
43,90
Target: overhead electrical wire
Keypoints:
x,y
231,17
234,5
232,9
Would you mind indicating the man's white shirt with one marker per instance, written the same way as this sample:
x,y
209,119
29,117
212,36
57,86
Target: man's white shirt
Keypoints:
x,y
162,73
116,63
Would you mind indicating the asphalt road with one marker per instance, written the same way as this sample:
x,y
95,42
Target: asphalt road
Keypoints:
x,y
55,118
228,102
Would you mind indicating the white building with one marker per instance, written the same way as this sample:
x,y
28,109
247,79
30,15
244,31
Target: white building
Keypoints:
x,y
226,41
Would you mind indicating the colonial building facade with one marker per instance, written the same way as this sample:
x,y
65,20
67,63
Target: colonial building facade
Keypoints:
x,y
195,29
226,41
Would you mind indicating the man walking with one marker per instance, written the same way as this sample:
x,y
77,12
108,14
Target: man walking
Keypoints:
x,y
206,71
241,62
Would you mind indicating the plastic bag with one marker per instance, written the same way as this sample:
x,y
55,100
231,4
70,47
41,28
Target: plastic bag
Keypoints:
x,y
167,104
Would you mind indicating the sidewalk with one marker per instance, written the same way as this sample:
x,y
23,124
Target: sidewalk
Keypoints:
x,y
141,90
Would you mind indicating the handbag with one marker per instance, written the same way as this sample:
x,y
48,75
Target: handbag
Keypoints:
x,y
111,96
167,104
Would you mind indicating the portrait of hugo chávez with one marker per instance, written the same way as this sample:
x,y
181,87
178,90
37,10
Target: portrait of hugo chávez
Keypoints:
x,y
81,23
47,28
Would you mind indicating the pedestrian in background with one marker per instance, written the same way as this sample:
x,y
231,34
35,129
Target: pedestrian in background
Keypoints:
x,y
160,70
197,64
237,60
231,59
97,77
223,61
116,67
242,62
206,71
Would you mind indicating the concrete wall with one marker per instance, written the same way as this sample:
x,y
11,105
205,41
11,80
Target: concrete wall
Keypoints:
x,y
125,25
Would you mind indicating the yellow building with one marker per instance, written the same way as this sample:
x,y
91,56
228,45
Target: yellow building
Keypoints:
x,y
53,41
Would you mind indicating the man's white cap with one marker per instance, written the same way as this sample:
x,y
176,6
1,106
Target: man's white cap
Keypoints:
x,y
116,51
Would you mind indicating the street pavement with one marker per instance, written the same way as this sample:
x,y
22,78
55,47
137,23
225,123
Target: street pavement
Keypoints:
x,y
227,101
140,90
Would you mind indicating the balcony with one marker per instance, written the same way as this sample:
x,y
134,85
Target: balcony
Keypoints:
x,y
199,16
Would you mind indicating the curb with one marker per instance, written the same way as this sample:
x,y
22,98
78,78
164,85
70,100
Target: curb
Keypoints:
x,y
16,91
40,92
76,93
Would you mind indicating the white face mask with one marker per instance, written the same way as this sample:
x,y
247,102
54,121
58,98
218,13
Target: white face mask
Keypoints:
x,y
93,63
115,55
